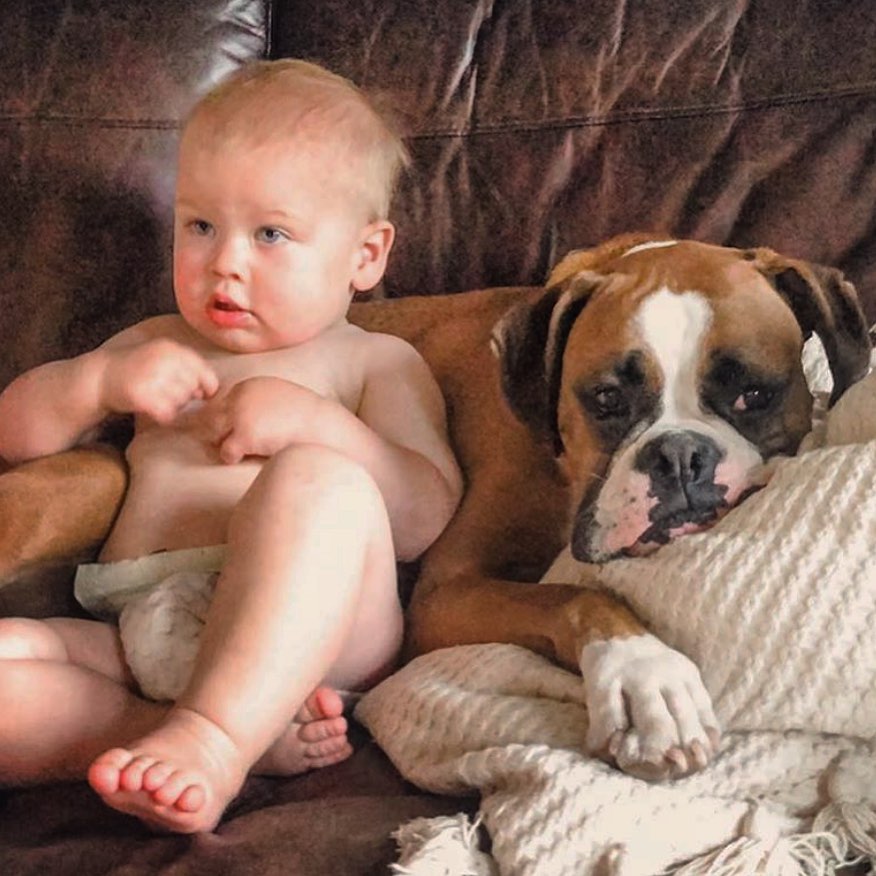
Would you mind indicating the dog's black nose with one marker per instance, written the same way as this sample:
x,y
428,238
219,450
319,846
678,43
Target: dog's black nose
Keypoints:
x,y
681,466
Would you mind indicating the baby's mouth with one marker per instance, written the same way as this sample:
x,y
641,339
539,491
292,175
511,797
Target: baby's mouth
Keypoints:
x,y
226,304
226,313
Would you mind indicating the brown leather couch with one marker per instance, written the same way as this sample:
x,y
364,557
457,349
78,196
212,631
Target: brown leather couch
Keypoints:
x,y
534,128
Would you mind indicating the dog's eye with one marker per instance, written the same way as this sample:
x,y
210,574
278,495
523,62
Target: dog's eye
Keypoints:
x,y
608,401
753,398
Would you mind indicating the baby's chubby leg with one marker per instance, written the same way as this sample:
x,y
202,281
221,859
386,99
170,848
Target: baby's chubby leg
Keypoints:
x,y
74,699
66,715
88,643
308,594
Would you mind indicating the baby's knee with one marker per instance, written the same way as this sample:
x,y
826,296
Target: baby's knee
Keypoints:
x,y
16,685
315,489
24,638
323,472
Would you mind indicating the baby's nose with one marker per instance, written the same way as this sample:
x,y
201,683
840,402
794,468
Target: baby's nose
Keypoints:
x,y
229,258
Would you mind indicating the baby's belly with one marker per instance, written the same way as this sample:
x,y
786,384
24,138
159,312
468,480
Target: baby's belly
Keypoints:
x,y
176,499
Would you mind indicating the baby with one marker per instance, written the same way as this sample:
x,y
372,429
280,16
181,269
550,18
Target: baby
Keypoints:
x,y
317,452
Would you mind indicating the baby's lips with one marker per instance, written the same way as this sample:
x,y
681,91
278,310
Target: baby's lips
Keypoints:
x,y
223,302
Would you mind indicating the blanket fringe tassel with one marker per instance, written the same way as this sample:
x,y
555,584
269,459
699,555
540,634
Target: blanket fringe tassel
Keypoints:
x,y
804,854
843,835
444,846
853,822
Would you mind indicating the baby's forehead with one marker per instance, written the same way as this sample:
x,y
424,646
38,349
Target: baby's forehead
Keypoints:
x,y
302,111
331,142
276,167
318,147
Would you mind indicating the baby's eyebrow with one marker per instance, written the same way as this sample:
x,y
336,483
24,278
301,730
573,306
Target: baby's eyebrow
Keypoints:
x,y
280,213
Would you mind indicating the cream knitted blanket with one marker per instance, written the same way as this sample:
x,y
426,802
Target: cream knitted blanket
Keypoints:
x,y
776,605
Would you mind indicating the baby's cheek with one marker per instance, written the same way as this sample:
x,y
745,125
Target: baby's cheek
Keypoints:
x,y
185,272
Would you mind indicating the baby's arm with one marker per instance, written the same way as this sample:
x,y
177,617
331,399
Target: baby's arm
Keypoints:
x,y
50,408
406,447
398,434
55,406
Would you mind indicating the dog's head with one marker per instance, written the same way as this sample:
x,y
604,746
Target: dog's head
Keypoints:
x,y
666,372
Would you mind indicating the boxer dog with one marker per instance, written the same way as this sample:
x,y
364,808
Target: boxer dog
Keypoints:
x,y
634,399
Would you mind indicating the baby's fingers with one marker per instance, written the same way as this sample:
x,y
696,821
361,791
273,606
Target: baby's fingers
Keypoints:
x,y
167,401
210,422
231,450
207,381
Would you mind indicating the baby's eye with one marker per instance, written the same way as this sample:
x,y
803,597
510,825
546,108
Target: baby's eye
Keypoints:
x,y
269,234
201,227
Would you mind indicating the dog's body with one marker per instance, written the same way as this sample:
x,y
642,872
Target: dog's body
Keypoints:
x,y
650,383
643,391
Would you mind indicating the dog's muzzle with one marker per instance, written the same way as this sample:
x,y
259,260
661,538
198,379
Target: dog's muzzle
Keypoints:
x,y
676,482
681,466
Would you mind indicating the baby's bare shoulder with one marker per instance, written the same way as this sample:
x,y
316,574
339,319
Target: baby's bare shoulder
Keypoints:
x,y
380,351
393,369
170,326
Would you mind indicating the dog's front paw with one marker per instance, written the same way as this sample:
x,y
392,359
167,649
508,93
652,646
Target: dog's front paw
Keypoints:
x,y
648,710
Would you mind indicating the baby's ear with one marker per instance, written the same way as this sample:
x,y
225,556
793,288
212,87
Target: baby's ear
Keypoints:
x,y
372,254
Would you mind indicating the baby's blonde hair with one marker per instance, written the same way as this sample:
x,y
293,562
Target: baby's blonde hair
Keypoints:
x,y
291,98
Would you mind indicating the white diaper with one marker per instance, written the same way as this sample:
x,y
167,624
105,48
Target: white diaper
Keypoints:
x,y
161,602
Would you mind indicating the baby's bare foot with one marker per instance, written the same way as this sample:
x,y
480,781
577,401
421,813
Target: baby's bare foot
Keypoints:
x,y
183,775
179,777
316,738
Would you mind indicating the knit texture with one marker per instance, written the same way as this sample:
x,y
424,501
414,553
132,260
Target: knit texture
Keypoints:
x,y
776,605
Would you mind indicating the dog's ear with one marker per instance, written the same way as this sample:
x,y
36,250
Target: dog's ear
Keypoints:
x,y
824,302
529,342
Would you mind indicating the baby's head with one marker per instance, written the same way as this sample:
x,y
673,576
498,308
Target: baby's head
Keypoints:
x,y
298,103
286,173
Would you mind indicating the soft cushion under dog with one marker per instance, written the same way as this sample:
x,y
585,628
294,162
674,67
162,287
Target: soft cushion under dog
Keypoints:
x,y
777,606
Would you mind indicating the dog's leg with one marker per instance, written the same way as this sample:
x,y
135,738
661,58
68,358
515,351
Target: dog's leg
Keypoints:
x,y
58,507
649,712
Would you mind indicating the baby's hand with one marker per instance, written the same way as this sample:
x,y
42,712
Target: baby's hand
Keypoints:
x,y
258,417
156,378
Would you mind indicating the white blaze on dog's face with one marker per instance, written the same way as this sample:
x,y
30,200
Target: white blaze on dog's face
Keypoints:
x,y
680,378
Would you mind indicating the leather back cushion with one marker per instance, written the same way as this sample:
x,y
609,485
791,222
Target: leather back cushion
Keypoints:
x,y
534,128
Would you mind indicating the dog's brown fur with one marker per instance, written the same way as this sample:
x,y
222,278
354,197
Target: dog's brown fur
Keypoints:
x,y
514,517
517,509
58,507
516,512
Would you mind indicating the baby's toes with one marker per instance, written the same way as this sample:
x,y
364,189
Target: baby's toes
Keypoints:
x,y
179,791
106,771
131,778
157,775
324,702
328,728
192,799
327,753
